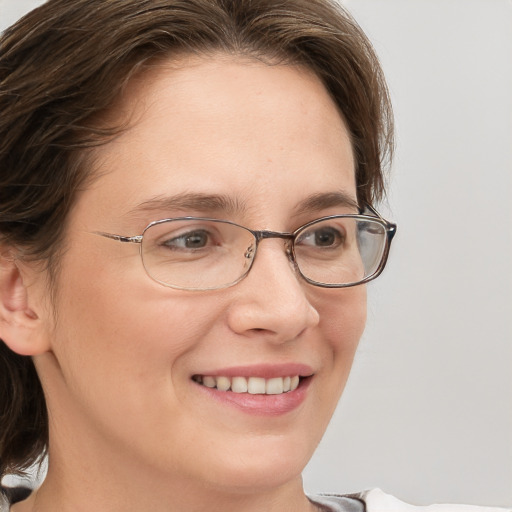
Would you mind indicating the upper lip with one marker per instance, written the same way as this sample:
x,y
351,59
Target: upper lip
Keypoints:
x,y
266,371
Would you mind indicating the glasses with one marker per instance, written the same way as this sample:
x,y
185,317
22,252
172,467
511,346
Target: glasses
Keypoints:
x,y
200,253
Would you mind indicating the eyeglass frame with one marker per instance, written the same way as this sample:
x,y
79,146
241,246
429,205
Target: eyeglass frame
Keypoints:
x,y
259,235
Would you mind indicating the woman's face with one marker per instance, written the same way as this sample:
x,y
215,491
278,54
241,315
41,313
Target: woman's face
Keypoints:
x,y
126,352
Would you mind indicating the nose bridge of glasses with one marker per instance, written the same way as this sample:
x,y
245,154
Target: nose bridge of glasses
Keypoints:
x,y
265,234
288,237
260,235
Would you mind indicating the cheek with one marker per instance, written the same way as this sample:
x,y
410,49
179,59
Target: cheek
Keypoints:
x,y
122,332
343,318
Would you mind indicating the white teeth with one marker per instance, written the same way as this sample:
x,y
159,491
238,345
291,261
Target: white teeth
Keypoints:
x,y
209,381
223,383
251,385
274,386
256,386
239,385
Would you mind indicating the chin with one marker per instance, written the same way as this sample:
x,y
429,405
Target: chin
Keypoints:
x,y
262,466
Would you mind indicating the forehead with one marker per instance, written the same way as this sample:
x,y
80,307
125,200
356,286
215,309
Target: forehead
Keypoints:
x,y
256,132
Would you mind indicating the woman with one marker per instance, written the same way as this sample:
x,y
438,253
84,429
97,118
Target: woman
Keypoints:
x,y
186,230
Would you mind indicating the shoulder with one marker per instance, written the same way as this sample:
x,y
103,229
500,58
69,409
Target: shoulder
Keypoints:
x,y
376,500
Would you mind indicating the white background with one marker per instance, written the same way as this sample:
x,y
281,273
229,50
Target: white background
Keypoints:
x,y
427,414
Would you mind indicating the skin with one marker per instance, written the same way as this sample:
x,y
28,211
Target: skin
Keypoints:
x,y
129,429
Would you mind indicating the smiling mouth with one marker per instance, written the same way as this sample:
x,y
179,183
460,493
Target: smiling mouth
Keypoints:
x,y
250,385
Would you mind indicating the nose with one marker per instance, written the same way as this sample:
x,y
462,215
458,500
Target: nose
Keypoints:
x,y
272,301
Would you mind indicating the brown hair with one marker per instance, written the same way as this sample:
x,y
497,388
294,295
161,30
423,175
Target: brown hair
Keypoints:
x,y
65,63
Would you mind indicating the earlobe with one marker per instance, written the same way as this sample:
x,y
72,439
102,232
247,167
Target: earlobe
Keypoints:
x,y
20,325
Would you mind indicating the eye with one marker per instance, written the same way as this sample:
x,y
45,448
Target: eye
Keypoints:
x,y
197,239
324,236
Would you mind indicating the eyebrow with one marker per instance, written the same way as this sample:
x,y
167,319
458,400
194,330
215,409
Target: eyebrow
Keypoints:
x,y
206,203
323,201
220,203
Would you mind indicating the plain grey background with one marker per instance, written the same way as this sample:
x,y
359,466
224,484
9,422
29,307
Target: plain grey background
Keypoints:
x,y
427,413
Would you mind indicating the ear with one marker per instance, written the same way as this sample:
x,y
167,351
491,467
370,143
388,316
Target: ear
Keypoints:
x,y
21,327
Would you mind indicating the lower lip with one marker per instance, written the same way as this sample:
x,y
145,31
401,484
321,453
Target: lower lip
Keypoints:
x,y
261,405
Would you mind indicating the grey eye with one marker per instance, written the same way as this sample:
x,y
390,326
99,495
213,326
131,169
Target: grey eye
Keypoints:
x,y
191,240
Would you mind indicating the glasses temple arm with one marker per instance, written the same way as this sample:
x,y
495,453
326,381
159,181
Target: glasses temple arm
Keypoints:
x,y
120,238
